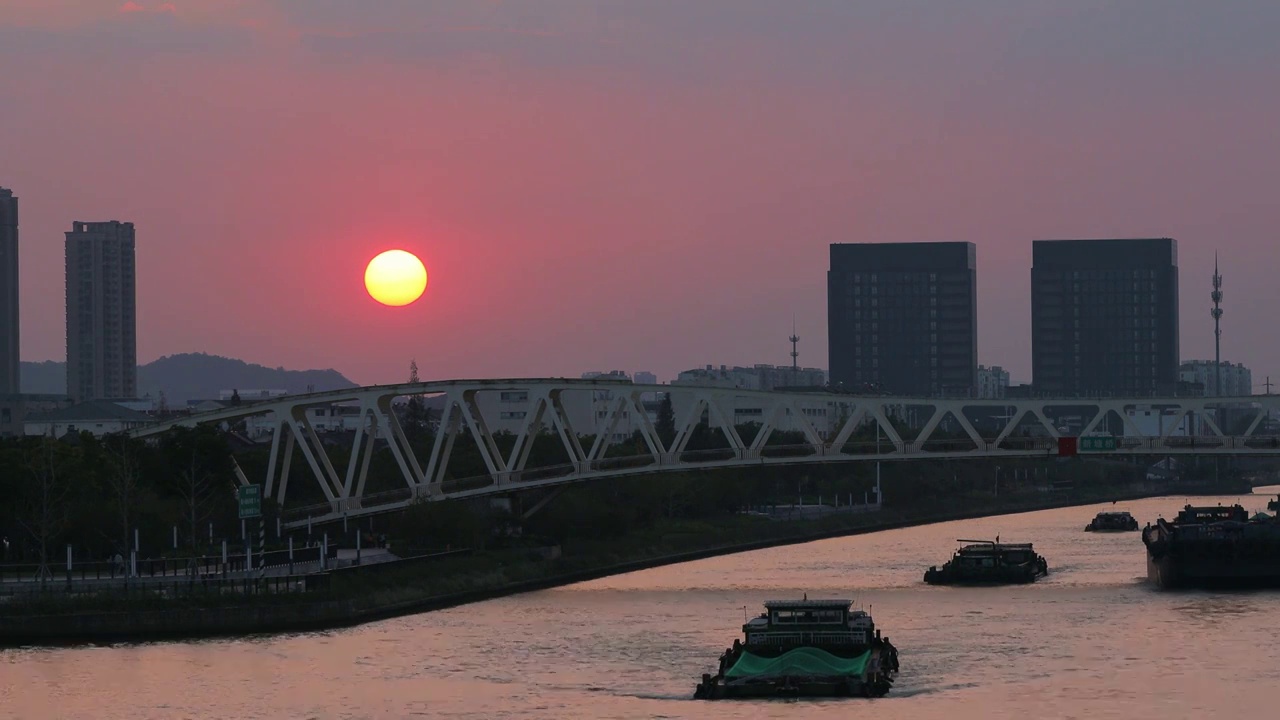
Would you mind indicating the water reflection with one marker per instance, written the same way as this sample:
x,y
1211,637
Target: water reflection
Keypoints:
x,y
1225,607
1092,640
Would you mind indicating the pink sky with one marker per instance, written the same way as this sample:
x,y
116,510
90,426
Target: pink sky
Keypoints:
x,y
644,186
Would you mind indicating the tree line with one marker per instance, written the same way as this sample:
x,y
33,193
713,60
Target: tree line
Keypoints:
x,y
98,494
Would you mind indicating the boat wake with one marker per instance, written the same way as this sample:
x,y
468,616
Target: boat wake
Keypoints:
x,y
641,696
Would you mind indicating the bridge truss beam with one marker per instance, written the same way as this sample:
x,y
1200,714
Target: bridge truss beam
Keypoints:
x,y
618,422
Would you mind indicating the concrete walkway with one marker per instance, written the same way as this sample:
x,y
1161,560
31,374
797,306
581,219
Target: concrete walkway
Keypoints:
x,y
345,558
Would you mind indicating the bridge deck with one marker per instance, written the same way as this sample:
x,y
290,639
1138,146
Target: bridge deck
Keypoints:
x,y
593,420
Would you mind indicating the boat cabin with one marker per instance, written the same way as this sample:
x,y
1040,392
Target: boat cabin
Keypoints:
x,y
1114,520
809,622
1204,515
985,554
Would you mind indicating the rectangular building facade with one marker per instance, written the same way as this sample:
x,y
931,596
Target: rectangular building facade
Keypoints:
x,y
902,318
1237,380
10,358
1104,317
993,382
101,312
758,377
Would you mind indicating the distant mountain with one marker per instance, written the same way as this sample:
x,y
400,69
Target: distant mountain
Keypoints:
x,y
194,376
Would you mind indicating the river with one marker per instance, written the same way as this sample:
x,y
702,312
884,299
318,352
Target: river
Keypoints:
x,y
1093,640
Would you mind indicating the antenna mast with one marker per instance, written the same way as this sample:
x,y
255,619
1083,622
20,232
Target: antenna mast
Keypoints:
x,y
1216,312
795,352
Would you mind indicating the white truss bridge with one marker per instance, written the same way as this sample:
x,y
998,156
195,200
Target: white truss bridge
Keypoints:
x,y
589,417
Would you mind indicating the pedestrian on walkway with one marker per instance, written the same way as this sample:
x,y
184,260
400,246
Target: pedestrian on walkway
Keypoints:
x,y
6,548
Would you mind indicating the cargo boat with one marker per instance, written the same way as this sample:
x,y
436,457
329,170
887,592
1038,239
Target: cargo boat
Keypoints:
x,y
989,562
1112,522
805,648
1213,547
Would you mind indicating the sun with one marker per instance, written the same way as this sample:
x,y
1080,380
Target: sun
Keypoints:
x,y
395,278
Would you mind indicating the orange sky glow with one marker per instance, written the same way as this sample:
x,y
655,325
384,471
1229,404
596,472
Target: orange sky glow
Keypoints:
x,y
643,186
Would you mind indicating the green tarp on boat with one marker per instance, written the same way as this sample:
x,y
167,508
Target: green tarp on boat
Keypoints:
x,y
801,662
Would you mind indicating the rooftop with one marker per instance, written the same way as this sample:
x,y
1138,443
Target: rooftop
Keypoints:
x,y
993,547
808,604
33,397
92,410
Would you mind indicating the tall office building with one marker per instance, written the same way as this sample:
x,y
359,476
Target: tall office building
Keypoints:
x,y
101,318
902,317
1104,317
9,357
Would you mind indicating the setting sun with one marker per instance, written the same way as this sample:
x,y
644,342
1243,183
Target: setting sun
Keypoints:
x,y
395,278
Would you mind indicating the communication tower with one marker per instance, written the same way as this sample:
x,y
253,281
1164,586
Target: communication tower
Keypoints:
x,y
1216,312
795,353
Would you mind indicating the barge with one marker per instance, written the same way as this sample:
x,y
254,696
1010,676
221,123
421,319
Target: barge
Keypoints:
x,y
1213,548
1112,522
989,562
805,648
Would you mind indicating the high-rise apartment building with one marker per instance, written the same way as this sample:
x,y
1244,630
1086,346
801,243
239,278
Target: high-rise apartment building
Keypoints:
x,y
9,357
1104,317
902,318
101,314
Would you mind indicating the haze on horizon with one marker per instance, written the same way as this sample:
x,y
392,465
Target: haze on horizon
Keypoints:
x,y
645,186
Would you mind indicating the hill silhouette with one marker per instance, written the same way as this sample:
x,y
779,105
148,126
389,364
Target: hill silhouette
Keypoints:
x,y
193,376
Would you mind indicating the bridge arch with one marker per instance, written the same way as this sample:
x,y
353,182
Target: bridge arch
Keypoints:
x,y
606,428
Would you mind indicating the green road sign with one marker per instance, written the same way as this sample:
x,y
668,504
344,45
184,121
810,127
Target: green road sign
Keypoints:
x,y
1097,444
250,497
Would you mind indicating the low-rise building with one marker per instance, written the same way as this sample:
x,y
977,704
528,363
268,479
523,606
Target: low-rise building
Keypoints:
x,y
609,375
1230,419
757,377
993,382
251,395
329,418
97,417
645,378
1159,422
206,405
14,410
1237,380
737,378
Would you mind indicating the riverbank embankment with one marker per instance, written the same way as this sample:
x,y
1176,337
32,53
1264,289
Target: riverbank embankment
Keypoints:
x,y
366,593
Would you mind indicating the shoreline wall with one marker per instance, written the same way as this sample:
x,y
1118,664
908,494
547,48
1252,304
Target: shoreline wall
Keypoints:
x,y
190,623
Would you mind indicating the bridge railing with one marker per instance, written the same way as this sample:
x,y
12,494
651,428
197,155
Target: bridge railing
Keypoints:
x,y
1021,445
49,595
108,571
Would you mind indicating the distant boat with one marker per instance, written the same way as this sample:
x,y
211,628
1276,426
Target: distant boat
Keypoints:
x,y
1112,522
805,648
1213,547
989,562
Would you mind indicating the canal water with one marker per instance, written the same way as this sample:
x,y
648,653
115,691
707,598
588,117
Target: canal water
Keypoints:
x,y
1093,640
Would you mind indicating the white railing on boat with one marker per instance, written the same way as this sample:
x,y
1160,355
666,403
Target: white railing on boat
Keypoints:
x,y
808,638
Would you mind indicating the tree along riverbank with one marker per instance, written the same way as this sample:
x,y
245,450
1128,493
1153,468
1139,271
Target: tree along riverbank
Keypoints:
x,y
365,593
